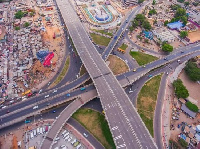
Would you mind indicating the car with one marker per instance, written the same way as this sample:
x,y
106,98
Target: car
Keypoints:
x,y
48,104
54,111
49,83
46,96
68,95
182,51
27,121
40,91
165,58
134,70
35,107
150,76
8,111
130,91
85,135
57,138
62,146
82,89
167,73
55,90
143,66
178,60
115,37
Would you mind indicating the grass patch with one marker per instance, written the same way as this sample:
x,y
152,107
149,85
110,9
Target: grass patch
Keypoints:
x,y
82,70
123,46
117,65
101,40
63,73
103,32
146,101
142,58
96,124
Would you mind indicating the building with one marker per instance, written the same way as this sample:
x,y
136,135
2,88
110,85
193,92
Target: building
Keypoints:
x,y
187,111
129,2
164,35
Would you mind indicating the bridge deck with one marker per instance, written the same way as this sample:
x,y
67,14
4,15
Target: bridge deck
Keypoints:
x,y
126,126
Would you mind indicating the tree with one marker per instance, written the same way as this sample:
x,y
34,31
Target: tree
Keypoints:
x,y
192,106
166,22
140,1
140,18
180,1
195,3
32,14
167,47
146,41
180,90
139,37
183,143
175,7
26,24
192,71
187,4
19,14
154,2
152,12
183,34
17,28
131,28
180,12
146,25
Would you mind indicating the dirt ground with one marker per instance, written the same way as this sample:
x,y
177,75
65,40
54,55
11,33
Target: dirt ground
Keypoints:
x,y
38,72
6,140
151,45
194,36
177,44
193,87
182,118
117,65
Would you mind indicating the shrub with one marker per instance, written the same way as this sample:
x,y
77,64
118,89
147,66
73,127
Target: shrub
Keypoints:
x,y
192,106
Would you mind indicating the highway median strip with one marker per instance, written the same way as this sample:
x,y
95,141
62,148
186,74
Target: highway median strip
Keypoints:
x,y
146,101
96,124
62,74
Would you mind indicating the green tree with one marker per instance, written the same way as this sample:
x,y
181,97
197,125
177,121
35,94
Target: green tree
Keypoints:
x,y
154,2
131,28
175,7
167,47
32,14
195,3
146,25
166,22
146,41
192,71
192,106
152,12
183,143
180,12
140,1
19,14
183,34
180,1
139,37
26,24
17,28
140,18
187,4
180,90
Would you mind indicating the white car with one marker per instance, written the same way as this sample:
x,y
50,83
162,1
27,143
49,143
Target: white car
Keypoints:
x,y
40,91
85,135
49,83
46,96
54,91
35,107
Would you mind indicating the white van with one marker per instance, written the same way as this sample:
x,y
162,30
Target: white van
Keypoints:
x,y
38,130
41,130
73,141
34,132
79,146
67,137
32,136
64,132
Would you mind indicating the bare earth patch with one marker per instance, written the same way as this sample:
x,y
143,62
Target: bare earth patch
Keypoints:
x,y
194,36
193,87
117,65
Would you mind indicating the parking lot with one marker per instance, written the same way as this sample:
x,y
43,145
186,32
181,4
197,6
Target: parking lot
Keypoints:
x,y
66,140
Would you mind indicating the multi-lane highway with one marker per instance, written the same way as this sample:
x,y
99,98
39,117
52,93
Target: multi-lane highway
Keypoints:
x,y
130,131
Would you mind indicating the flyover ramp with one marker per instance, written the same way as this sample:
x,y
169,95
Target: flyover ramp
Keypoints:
x,y
126,126
64,116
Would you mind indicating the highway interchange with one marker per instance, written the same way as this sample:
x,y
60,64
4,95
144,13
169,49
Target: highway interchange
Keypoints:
x,y
125,79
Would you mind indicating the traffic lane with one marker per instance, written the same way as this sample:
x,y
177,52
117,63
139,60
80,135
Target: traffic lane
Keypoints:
x,y
112,111
82,130
131,112
40,97
44,104
158,111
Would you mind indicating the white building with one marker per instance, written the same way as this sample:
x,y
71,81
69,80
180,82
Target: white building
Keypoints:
x,y
164,35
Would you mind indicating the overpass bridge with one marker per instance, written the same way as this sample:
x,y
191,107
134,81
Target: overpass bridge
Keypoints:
x,y
129,131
